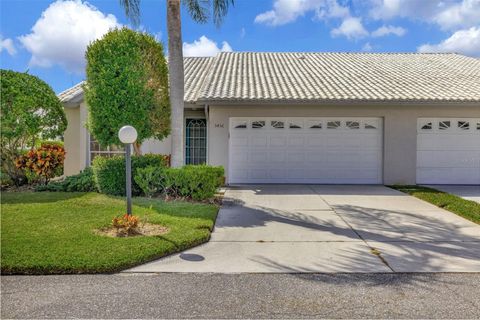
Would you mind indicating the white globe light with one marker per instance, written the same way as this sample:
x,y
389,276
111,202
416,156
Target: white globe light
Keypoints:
x,y
127,134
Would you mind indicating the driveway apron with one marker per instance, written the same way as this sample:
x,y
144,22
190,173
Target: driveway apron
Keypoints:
x,y
331,229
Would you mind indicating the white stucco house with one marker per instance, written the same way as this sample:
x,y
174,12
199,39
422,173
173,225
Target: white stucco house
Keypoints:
x,y
346,118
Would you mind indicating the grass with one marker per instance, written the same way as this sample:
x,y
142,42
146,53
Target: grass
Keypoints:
x,y
53,233
465,208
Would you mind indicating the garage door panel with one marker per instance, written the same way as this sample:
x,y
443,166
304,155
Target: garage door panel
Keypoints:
x,y
446,152
448,159
306,154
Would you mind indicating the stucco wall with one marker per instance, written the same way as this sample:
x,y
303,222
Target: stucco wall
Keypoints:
x,y
400,129
72,142
77,138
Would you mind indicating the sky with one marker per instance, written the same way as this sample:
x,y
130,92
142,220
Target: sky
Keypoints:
x,y
49,38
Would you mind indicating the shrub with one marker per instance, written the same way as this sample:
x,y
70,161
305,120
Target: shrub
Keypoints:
x,y
198,182
82,182
109,173
45,161
150,180
30,110
126,224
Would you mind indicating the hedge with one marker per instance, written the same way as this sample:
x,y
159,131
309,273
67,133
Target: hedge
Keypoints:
x,y
109,173
198,182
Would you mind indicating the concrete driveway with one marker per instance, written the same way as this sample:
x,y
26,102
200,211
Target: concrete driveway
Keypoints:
x,y
327,228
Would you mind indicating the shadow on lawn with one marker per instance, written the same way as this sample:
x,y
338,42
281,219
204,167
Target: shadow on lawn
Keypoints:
x,y
38,197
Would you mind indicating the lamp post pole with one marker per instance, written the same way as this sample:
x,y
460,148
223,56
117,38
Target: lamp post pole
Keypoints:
x,y
128,136
128,171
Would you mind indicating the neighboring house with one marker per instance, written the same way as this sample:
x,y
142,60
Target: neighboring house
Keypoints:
x,y
350,118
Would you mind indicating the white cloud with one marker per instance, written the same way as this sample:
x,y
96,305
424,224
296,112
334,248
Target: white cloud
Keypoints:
x,y
7,44
243,32
204,47
351,28
367,47
61,35
447,14
463,41
386,30
287,11
460,15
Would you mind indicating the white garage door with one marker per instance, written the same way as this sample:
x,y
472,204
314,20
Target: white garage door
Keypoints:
x,y
448,151
305,150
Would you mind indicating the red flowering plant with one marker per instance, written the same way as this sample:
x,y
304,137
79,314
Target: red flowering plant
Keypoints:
x,y
45,161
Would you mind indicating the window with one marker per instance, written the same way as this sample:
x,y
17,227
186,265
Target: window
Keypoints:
x,y
196,141
478,125
240,125
333,124
258,124
369,126
353,124
463,125
427,126
277,124
97,150
295,125
443,125
315,125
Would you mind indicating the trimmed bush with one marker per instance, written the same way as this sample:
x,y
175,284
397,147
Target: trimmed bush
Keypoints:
x,y
150,180
198,182
82,182
109,173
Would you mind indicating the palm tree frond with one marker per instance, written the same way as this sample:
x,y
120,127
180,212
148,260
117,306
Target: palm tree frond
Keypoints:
x,y
198,9
132,10
220,10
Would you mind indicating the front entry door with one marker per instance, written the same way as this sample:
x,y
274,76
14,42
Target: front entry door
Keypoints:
x,y
196,141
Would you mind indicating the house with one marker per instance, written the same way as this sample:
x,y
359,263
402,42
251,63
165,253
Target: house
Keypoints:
x,y
346,118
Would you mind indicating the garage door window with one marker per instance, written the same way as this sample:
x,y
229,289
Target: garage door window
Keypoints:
x,y
463,125
295,125
353,124
333,124
240,125
427,126
277,124
258,124
315,125
444,125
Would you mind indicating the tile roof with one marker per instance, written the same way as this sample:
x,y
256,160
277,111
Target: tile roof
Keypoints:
x,y
71,93
196,71
256,76
327,77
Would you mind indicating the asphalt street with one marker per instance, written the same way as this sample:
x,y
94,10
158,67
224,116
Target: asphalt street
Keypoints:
x,y
175,295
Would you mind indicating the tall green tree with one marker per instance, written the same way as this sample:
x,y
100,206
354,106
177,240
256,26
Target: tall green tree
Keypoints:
x,y
201,11
30,111
127,83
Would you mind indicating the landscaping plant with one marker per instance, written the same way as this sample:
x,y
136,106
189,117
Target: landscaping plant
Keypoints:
x,y
197,182
45,161
109,173
126,224
82,182
30,111
127,84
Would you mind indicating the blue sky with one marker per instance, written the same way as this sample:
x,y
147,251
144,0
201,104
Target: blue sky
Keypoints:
x,y
48,38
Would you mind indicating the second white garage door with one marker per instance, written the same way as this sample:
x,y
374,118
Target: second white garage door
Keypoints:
x,y
306,150
448,151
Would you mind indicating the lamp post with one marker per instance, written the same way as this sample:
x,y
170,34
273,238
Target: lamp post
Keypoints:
x,y
128,135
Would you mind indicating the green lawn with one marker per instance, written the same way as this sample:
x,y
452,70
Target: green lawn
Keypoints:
x,y
51,233
468,209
